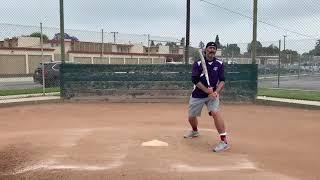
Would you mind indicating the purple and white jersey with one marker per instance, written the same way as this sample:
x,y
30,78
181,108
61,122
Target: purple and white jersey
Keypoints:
x,y
215,72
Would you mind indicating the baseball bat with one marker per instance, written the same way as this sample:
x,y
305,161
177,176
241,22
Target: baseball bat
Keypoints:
x,y
204,67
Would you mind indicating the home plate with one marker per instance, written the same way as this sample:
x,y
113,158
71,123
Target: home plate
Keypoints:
x,y
154,143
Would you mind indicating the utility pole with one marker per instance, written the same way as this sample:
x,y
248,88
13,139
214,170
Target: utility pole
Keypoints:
x,y
284,42
114,36
254,41
149,48
102,44
62,32
186,50
284,48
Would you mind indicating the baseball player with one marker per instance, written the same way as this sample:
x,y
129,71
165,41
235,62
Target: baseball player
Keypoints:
x,y
203,94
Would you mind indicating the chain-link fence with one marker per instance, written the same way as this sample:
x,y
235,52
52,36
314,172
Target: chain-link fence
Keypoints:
x,y
30,65
291,66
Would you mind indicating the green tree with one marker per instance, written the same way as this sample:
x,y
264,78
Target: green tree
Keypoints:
x,y
171,44
38,34
231,50
316,50
289,56
217,41
271,50
201,45
182,42
194,53
234,50
258,48
152,43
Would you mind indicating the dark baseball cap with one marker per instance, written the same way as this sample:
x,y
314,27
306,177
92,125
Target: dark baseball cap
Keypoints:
x,y
211,44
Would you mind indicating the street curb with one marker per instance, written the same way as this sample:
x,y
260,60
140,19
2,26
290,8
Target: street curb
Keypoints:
x,y
28,95
286,104
30,102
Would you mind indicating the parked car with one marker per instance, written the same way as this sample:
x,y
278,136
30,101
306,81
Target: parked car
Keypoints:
x,y
51,73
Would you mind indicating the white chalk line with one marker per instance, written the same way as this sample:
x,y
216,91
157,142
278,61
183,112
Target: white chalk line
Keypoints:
x,y
54,164
243,165
73,136
50,166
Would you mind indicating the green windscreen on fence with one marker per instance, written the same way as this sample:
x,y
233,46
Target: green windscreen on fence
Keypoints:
x,y
150,81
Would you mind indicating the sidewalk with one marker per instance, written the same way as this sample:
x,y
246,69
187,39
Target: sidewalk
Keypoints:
x,y
288,102
28,99
29,96
16,79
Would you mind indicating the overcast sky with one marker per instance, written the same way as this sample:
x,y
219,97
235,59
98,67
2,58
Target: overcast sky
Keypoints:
x,y
298,20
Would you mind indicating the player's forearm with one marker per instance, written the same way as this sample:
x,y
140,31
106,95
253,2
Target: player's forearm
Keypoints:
x,y
196,81
220,87
202,87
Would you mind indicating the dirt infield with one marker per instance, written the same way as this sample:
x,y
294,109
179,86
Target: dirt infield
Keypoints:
x,y
103,141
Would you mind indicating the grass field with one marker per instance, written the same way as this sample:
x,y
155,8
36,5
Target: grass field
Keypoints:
x,y
290,94
8,92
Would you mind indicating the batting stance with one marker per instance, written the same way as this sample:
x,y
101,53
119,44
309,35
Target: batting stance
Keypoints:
x,y
203,93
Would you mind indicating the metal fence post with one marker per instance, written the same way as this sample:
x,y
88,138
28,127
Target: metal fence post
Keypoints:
x,y
279,62
299,66
41,45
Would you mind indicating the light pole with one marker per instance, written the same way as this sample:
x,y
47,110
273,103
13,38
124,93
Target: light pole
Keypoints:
x,y
102,44
284,42
149,48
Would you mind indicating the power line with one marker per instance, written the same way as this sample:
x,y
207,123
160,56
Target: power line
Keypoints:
x,y
47,29
249,17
